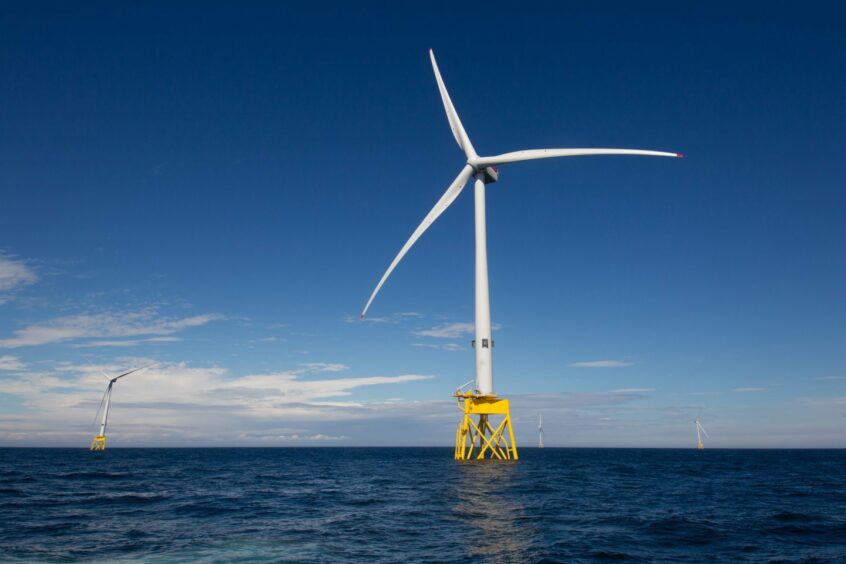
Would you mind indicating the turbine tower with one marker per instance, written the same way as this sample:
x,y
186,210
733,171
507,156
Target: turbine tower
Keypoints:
x,y
481,440
699,428
99,442
540,430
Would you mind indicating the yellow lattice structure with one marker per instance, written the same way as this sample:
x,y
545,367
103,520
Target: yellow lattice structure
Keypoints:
x,y
99,443
479,439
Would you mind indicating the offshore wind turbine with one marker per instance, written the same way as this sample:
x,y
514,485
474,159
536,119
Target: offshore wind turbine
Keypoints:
x,y
484,440
699,428
99,442
540,430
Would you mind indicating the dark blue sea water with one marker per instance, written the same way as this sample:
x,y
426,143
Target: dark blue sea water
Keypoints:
x,y
415,505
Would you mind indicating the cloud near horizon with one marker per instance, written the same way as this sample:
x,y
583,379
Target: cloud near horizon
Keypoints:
x,y
176,404
179,405
178,400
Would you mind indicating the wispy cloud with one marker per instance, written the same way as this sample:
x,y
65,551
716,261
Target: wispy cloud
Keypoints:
x,y
13,275
601,364
748,390
448,330
835,401
127,343
273,393
163,382
111,324
451,347
292,438
391,318
8,362
308,367
632,390
830,378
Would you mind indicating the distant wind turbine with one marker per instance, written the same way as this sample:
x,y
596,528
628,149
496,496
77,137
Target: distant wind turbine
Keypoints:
x,y
540,430
482,400
699,428
99,442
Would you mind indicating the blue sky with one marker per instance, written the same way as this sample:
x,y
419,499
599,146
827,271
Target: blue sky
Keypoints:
x,y
219,188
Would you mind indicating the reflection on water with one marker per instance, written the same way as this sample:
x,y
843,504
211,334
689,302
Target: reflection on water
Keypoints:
x,y
492,523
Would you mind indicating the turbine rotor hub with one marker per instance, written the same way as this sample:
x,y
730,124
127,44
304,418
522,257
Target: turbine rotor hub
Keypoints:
x,y
491,173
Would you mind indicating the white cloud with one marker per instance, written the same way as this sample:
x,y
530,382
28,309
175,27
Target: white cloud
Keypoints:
x,y
601,364
451,347
293,438
392,318
835,401
323,367
13,275
748,390
448,330
130,324
129,343
184,403
11,363
632,390
272,391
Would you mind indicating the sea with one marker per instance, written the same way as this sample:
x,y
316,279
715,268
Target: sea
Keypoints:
x,y
418,505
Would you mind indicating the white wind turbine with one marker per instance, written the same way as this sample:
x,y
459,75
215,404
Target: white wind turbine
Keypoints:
x,y
99,442
699,428
540,430
484,170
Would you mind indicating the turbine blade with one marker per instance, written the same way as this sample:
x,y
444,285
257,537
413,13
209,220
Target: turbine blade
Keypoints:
x,y
532,154
133,370
454,121
704,431
448,198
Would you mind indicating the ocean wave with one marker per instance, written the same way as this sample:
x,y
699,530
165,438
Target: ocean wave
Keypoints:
x,y
415,505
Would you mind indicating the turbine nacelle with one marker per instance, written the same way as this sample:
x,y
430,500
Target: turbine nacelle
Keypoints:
x,y
491,173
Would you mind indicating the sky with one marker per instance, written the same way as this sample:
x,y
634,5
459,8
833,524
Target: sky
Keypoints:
x,y
217,188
